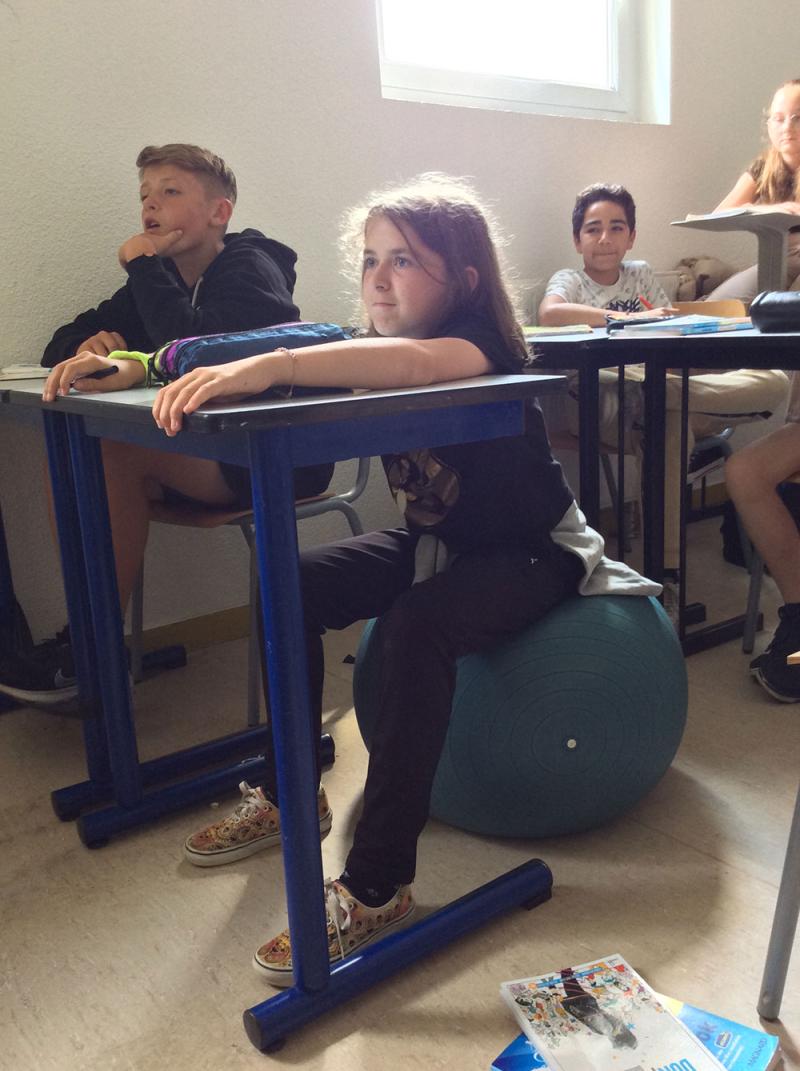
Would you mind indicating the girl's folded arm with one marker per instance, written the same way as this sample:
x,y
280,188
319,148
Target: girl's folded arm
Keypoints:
x,y
372,363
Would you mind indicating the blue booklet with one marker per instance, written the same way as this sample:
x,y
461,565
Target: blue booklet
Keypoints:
x,y
691,324
743,1048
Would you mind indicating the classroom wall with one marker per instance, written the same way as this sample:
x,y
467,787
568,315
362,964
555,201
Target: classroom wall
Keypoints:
x,y
288,92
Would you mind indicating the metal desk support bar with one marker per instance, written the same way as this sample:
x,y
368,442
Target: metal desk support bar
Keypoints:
x,y
784,925
528,885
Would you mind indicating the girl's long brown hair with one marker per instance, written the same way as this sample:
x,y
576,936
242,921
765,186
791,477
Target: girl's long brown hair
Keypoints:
x,y
448,216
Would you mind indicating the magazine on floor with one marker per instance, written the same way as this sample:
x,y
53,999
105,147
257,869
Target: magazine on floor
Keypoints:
x,y
737,1047
602,1016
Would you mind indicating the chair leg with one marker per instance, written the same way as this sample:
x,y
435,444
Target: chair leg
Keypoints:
x,y
753,601
353,519
137,626
784,925
623,537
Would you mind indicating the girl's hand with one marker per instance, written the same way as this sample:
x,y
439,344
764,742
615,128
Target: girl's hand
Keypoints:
x,y
234,381
785,206
73,372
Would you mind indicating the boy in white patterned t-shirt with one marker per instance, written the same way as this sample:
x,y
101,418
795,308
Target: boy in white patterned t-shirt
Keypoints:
x,y
603,231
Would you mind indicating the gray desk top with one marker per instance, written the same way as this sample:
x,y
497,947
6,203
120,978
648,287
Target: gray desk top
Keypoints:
x,y
725,349
134,406
742,220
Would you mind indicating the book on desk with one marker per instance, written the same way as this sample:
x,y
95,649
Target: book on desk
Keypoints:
x,y
24,371
674,326
536,331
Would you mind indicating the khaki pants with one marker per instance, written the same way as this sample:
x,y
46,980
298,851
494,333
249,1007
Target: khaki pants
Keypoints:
x,y
717,400
744,286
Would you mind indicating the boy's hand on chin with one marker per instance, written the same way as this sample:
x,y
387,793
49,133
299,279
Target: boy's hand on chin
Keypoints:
x,y
147,244
103,343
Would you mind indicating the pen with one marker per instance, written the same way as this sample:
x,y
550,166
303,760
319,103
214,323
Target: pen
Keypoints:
x,y
643,300
102,373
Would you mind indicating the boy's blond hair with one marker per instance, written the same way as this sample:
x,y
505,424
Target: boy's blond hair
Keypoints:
x,y
211,169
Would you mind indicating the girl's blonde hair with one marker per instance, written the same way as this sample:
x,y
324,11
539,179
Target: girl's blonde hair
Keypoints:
x,y
449,218
775,182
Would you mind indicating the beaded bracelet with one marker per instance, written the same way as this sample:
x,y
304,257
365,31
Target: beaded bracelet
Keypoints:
x,y
293,357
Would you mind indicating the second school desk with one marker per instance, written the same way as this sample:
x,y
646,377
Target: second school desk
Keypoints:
x,y
274,436
588,353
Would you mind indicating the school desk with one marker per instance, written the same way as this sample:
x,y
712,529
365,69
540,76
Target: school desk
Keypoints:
x,y
771,229
588,353
273,436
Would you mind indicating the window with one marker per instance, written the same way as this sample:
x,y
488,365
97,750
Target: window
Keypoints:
x,y
602,59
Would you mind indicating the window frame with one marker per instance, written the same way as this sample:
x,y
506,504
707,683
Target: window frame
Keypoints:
x,y
639,39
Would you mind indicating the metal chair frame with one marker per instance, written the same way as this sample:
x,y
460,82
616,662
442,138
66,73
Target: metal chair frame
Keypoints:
x,y
198,517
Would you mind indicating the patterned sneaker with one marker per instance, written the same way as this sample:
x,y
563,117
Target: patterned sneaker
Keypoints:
x,y
351,925
254,824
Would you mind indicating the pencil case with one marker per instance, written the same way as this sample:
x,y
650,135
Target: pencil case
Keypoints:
x,y
776,310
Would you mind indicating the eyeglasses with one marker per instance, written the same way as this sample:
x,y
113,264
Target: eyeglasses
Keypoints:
x,y
780,120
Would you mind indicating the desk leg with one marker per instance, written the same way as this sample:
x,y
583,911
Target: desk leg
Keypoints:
x,y
317,989
6,585
276,546
772,246
653,477
784,925
589,444
73,572
527,885
110,664
7,606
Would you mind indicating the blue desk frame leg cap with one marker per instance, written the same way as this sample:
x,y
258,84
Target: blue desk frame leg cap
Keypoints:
x,y
268,1024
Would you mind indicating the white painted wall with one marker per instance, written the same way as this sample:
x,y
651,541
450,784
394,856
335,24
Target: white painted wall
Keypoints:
x,y
288,92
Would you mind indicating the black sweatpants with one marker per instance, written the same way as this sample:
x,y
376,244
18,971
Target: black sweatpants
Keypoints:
x,y
483,597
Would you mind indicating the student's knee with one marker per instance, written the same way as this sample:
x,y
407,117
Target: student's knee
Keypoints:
x,y
418,625
120,460
744,476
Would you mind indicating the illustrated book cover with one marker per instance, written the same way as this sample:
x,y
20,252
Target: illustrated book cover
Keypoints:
x,y
602,1016
737,1047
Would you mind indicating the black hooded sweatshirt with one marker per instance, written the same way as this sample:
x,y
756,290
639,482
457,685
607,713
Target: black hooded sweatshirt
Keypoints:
x,y
248,285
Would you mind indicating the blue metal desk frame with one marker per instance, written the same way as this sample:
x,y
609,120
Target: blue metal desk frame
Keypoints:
x,y
274,436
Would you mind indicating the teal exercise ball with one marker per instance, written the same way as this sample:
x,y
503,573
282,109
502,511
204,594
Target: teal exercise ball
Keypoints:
x,y
559,728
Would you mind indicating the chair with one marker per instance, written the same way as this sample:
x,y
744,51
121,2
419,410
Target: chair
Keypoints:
x,y
201,517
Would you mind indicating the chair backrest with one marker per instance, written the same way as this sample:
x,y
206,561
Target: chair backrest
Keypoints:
x,y
726,307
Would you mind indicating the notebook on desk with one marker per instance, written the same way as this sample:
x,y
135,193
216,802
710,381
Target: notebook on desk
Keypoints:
x,y
692,324
24,371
